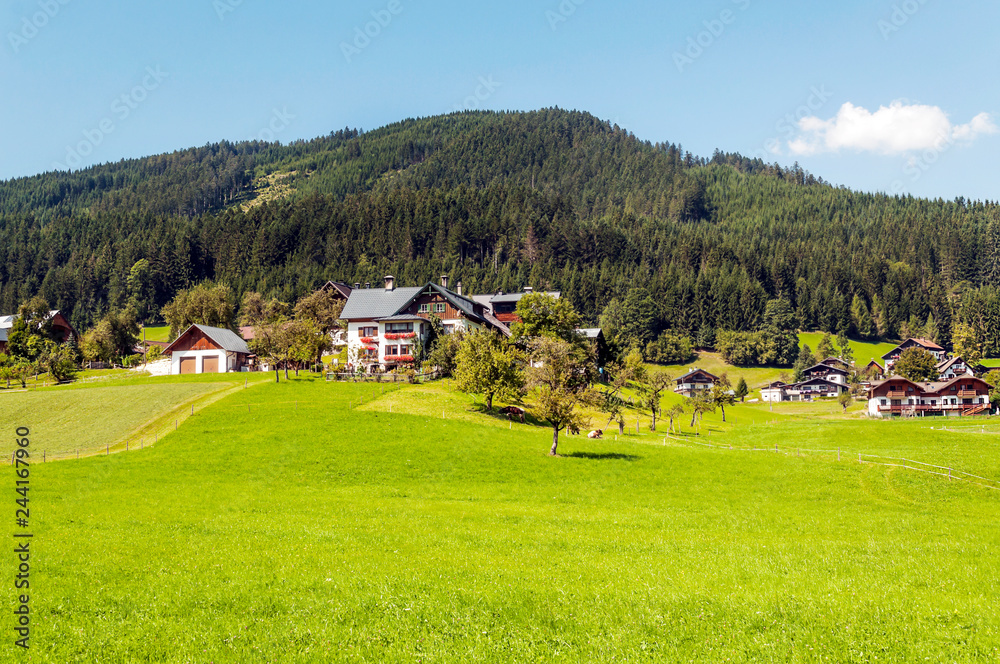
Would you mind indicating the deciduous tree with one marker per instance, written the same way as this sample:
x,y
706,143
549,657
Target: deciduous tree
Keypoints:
x,y
487,364
562,374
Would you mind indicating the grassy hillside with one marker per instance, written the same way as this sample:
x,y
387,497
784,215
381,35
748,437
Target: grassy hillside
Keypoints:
x,y
157,333
310,527
90,417
863,352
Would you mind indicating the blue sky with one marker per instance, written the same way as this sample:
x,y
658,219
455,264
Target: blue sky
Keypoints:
x,y
88,82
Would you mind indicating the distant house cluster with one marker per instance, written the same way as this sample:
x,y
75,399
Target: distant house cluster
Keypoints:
x,y
826,379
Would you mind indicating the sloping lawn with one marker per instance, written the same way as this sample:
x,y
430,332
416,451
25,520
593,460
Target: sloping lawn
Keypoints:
x,y
286,524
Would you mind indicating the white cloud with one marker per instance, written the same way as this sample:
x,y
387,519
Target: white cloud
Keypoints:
x,y
895,129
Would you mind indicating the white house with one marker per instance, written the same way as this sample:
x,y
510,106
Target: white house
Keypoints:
x,y
384,325
202,349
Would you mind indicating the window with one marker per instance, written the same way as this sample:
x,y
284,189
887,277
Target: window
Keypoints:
x,y
392,350
448,329
439,308
425,308
398,328
368,331
406,350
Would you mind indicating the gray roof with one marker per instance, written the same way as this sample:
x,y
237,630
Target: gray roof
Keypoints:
x,y
402,317
7,322
3,335
495,322
378,302
590,332
506,298
484,300
227,340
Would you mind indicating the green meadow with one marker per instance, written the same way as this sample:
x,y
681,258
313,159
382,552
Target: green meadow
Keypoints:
x,y
304,522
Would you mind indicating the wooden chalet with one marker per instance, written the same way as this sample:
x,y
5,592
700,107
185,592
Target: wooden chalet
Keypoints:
x,y
203,349
963,395
504,305
59,327
384,325
340,291
892,356
695,382
953,368
874,371
833,373
808,390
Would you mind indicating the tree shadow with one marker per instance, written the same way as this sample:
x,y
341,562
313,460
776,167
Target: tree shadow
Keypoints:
x,y
607,456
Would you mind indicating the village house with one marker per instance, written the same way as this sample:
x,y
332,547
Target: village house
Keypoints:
x,y
62,330
953,368
385,324
695,382
831,370
807,390
892,356
504,305
963,395
203,349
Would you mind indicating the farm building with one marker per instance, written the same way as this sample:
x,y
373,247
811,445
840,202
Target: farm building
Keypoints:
x,y
964,395
694,382
202,349
61,329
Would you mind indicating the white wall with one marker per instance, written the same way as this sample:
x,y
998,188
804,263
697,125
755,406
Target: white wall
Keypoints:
x,y
226,365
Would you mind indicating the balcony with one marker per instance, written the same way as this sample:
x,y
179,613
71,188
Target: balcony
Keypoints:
x,y
896,395
968,394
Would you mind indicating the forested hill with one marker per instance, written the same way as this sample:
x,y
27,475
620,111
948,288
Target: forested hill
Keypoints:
x,y
552,199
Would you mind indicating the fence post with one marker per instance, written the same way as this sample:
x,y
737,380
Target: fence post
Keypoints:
x,y
859,457
107,450
43,456
838,454
126,445
78,453
192,409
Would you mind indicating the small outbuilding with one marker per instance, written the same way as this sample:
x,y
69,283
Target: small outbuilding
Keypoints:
x,y
202,349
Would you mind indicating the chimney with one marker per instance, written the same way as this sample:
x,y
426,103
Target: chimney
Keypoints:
x,y
368,284
458,289
390,283
528,289
444,281
357,286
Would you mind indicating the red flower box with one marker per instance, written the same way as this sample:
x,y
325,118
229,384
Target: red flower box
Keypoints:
x,y
398,358
394,336
369,340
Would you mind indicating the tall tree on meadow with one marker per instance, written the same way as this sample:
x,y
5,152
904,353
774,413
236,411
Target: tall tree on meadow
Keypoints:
x,y
562,374
673,413
722,394
487,364
652,390
700,404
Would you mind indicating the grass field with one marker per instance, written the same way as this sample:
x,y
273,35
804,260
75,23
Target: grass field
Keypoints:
x,y
864,353
302,522
157,333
